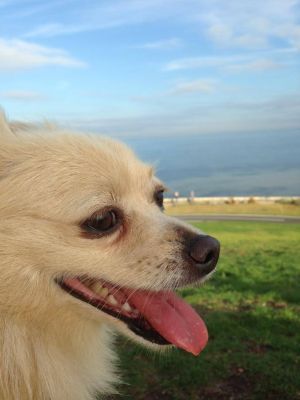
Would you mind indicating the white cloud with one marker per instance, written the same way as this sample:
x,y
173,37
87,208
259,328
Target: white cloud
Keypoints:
x,y
184,88
103,15
259,65
244,24
219,32
252,24
195,86
195,62
22,95
57,29
235,63
162,44
225,32
19,54
255,116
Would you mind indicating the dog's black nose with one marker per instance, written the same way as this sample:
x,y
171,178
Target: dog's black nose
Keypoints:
x,y
204,251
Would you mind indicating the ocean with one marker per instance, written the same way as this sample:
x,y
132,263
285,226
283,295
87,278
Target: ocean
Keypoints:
x,y
261,164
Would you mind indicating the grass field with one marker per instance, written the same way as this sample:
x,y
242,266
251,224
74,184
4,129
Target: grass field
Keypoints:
x,y
252,208
252,310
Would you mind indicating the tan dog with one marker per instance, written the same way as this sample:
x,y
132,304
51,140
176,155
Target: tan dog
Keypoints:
x,y
85,249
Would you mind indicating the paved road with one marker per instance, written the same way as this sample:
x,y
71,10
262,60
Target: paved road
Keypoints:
x,y
241,217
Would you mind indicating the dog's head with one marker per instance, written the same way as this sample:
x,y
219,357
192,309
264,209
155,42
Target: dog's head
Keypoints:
x,y
83,228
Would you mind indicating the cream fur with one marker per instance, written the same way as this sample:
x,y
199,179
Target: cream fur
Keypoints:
x,y
54,346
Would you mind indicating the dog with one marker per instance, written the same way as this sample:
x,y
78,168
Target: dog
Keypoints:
x,y
85,251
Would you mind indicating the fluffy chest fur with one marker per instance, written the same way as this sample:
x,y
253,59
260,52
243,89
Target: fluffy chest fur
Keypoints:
x,y
43,363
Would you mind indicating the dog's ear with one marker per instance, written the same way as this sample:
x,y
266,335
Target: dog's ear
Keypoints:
x,y
6,132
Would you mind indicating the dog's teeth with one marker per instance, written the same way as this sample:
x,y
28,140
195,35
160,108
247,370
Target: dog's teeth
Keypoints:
x,y
111,299
96,287
99,289
126,307
104,292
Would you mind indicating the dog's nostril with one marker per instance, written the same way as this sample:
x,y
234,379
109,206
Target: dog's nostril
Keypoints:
x,y
204,251
209,257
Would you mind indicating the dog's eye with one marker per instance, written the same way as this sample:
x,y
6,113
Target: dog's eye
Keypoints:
x,y
159,198
102,222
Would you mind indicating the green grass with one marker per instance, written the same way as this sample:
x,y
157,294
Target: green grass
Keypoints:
x,y
236,208
252,309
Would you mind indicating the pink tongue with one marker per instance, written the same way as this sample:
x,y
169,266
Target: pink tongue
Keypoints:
x,y
172,318
167,313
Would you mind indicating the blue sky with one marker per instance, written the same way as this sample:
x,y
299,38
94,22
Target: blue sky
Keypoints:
x,y
149,67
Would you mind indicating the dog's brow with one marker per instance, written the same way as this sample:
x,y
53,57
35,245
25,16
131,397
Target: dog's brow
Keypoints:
x,y
160,187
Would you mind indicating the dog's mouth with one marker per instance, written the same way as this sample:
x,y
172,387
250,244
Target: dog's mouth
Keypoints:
x,y
159,317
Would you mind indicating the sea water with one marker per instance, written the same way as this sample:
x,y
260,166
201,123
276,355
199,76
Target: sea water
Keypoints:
x,y
225,164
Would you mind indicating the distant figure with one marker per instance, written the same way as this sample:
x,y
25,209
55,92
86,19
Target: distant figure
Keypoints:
x,y
191,197
176,196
